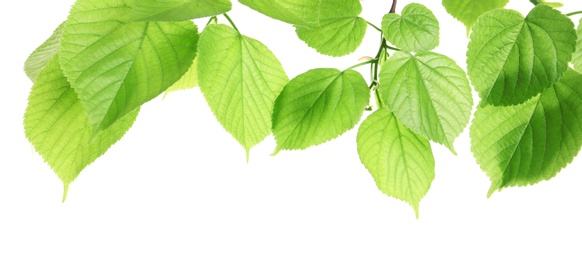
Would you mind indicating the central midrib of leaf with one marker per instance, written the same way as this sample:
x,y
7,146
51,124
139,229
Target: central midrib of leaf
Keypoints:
x,y
404,159
131,62
339,23
505,57
416,64
521,130
245,51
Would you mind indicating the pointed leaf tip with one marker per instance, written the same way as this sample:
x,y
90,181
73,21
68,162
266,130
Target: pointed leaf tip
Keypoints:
x,y
56,125
400,161
531,142
65,191
240,79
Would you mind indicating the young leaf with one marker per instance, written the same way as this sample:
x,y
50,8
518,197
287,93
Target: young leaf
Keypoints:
x,y
511,59
527,143
189,79
115,65
240,78
429,93
177,10
40,57
298,12
58,128
577,56
400,161
340,30
317,106
417,30
467,11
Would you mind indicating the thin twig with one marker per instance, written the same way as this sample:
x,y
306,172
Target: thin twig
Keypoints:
x,y
393,9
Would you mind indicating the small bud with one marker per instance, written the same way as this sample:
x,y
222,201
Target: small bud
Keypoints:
x,y
365,58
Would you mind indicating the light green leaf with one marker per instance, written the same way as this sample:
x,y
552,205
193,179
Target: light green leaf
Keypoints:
x,y
58,128
240,78
417,30
177,10
400,161
114,65
527,143
512,59
299,12
40,57
340,31
577,56
189,79
429,93
317,106
467,11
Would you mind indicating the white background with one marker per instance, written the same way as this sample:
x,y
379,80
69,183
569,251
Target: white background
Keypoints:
x,y
178,187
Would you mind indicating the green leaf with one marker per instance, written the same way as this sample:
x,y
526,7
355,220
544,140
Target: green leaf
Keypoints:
x,y
115,65
299,12
58,128
512,59
42,55
417,30
178,10
527,143
241,79
317,106
189,79
429,93
550,4
400,161
340,30
577,56
467,11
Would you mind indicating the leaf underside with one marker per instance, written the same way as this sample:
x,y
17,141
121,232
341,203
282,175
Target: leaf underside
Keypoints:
x,y
429,93
58,128
468,11
511,59
297,12
527,143
177,10
340,30
400,161
416,30
42,55
577,56
240,79
317,106
115,65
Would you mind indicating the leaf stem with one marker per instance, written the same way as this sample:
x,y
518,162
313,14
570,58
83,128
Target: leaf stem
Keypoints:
x,y
379,101
574,13
374,26
374,61
392,48
231,22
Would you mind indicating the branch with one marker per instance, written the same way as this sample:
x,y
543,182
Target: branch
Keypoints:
x,y
393,9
